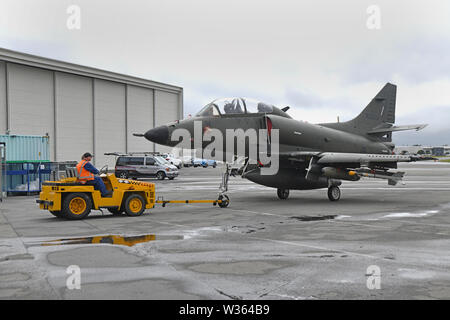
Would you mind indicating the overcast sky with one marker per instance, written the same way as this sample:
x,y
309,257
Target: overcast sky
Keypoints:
x,y
319,57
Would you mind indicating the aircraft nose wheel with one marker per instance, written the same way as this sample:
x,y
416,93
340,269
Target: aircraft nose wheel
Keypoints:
x,y
334,193
283,194
225,201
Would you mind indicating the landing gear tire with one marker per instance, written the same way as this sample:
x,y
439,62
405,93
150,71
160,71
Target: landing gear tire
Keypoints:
x,y
334,193
283,194
225,201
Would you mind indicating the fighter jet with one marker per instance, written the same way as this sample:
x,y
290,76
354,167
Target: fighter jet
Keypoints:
x,y
311,156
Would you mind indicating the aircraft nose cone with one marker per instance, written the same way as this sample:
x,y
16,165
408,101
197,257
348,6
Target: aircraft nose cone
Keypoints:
x,y
158,135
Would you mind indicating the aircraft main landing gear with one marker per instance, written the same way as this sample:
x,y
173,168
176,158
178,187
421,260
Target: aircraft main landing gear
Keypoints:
x,y
225,200
334,193
283,194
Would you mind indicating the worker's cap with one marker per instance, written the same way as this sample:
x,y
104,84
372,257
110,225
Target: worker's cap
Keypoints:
x,y
87,154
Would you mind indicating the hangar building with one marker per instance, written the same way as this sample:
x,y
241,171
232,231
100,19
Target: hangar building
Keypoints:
x,y
82,108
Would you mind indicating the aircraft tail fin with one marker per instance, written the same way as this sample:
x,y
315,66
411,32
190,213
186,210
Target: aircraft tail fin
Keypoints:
x,y
380,112
377,119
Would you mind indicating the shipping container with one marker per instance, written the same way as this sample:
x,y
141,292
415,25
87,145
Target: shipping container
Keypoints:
x,y
20,148
25,156
2,170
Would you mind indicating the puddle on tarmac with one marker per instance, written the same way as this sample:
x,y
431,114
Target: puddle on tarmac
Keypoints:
x,y
314,218
108,239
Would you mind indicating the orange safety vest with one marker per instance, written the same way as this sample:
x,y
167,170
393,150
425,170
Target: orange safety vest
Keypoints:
x,y
83,174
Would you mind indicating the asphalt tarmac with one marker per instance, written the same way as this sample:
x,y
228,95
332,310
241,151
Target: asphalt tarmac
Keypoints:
x,y
377,242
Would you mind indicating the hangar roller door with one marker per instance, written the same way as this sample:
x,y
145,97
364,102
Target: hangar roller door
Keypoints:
x,y
3,111
109,125
74,116
166,110
139,117
31,101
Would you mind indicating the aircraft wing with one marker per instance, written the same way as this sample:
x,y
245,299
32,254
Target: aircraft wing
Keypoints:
x,y
349,158
352,166
361,158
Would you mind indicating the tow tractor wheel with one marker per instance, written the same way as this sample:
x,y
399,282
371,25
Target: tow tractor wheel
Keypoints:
x,y
334,193
283,194
225,201
57,214
134,205
76,206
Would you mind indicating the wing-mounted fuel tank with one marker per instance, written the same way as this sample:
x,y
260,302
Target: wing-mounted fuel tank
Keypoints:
x,y
289,178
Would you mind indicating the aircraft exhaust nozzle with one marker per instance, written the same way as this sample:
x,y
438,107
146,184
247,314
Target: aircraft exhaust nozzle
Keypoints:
x,y
341,174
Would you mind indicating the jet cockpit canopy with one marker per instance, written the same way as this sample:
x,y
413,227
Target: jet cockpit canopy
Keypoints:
x,y
234,106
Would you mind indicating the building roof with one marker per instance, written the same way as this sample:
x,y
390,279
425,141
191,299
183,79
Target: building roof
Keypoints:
x,y
62,66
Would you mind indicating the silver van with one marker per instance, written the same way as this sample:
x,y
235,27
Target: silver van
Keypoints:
x,y
144,166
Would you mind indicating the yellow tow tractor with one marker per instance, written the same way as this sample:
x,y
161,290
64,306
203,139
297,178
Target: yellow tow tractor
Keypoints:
x,y
68,198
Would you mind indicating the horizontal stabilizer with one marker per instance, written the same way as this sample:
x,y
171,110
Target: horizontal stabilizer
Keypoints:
x,y
416,127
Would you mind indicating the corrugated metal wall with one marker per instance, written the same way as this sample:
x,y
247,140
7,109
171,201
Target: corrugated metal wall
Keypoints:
x,y
30,99
139,115
3,110
110,120
81,113
165,114
74,112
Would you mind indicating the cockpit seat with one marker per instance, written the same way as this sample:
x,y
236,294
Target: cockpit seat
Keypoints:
x,y
228,108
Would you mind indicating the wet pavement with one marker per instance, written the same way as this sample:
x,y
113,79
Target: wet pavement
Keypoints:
x,y
259,247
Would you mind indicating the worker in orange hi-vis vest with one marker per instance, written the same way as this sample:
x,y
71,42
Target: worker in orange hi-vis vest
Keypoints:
x,y
86,173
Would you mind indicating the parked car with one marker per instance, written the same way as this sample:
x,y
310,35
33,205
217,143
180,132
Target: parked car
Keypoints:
x,y
172,159
187,161
144,166
196,162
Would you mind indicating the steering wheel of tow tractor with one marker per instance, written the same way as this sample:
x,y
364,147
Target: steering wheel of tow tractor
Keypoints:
x,y
104,169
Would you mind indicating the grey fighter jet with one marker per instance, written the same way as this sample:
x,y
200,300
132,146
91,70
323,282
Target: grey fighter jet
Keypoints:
x,y
311,156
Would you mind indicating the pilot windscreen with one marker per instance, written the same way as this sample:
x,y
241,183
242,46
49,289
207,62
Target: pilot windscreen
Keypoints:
x,y
208,111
